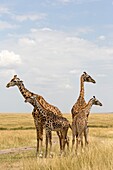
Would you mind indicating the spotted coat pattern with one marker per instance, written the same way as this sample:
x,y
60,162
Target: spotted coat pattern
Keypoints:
x,y
15,81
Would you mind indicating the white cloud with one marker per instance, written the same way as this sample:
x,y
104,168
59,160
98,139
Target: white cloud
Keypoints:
x,y
68,86
64,87
59,51
84,30
73,1
26,41
54,61
101,75
75,71
64,1
4,10
32,17
6,25
102,37
85,1
46,29
8,58
7,73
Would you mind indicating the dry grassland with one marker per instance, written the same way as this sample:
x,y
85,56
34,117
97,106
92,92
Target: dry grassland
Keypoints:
x,y
17,130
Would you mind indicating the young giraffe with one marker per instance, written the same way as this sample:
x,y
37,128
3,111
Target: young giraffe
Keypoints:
x,y
51,123
81,101
15,81
80,122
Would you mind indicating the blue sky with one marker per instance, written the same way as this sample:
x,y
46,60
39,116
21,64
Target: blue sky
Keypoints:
x,y
49,44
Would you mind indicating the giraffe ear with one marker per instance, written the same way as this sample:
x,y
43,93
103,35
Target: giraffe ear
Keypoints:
x,y
84,72
15,76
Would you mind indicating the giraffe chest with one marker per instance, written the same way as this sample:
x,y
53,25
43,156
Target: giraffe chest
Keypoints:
x,y
79,105
35,114
81,121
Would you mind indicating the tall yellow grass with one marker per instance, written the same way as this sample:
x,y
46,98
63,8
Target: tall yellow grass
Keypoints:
x,y
17,130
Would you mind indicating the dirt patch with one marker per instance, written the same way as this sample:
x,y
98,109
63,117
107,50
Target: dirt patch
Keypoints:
x,y
15,150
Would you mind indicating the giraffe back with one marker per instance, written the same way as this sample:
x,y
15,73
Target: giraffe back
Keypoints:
x,y
48,106
55,122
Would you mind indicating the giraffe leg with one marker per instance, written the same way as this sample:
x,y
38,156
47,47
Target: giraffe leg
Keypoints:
x,y
86,130
73,142
66,140
77,143
41,134
63,146
37,150
47,136
39,129
50,142
60,140
73,137
81,138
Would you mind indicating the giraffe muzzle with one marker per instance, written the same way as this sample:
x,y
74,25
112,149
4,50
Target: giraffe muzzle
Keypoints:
x,y
7,85
94,81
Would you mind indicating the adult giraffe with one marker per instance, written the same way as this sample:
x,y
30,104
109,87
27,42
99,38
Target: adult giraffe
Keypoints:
x,y
80,103
15,81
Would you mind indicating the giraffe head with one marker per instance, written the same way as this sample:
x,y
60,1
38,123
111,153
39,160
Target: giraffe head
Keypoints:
x,y
32,100
96,101
14,81
87,78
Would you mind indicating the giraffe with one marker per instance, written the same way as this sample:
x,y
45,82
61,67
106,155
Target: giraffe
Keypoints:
x,y
51,123
81,101
80,122
15,81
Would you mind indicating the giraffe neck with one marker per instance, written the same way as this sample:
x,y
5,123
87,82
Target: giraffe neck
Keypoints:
x,y
88,107
41,110
81,88
25,93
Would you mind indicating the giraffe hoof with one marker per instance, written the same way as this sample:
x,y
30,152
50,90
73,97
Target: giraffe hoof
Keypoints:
x,y
82,151
51,155
77,153
41,155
